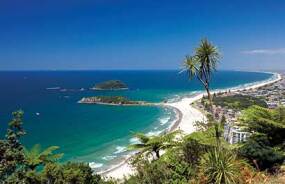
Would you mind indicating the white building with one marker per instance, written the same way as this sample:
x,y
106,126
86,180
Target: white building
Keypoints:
x,y
234,135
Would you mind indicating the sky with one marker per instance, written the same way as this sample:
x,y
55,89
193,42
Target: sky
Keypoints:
x,y
139,34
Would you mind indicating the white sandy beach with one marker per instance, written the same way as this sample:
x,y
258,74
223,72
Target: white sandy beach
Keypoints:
x,y
188,115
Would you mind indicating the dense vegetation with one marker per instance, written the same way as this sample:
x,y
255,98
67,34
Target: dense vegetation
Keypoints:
x,y
110,85
201,157
266,145
238,102
109,100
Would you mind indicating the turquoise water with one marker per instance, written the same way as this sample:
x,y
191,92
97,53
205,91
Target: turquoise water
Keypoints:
x,y
94,133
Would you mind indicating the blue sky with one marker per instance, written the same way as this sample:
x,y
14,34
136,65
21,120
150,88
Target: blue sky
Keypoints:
x,y
139,34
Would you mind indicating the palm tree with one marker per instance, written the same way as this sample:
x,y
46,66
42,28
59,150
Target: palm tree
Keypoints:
x,y
35,156
153,144
202,65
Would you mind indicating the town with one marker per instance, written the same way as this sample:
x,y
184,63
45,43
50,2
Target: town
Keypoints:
x,y
229,104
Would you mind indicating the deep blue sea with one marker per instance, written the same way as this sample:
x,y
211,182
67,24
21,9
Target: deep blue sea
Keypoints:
x,y
97,133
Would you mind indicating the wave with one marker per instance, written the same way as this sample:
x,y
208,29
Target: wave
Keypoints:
x,y
164,120
109,157
120,149
94,165
53,88
134,140
178,97
154,133
125,158
174,98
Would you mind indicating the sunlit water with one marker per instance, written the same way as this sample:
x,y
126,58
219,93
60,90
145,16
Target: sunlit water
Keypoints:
x,y
94,133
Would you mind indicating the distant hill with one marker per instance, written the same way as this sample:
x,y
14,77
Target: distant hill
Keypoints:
x,y
110,85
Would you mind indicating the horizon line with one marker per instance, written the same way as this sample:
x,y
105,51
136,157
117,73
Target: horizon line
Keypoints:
x,y
109,70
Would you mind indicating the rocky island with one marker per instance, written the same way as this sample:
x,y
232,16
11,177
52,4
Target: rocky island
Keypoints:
x,y
110,85
111,100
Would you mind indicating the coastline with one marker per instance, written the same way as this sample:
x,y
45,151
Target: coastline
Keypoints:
x,y
186,115
191,114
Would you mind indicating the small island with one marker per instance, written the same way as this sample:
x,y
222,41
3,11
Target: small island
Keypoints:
x,y
111,100
110,85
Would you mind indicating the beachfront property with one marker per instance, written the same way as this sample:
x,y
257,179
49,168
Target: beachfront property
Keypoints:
x,y
273,94
234,134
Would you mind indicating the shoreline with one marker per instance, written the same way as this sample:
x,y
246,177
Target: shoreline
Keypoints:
x,y
184,104
186,115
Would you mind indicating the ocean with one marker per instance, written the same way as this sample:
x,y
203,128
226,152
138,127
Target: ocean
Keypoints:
x,y
97,134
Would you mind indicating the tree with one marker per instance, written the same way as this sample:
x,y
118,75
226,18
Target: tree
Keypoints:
x,y
202,65
192,149
11,150
265,146
153,144
173,171
267,122
257,150
71,173
36,157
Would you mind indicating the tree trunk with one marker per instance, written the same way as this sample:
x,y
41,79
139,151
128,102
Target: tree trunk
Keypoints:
x,y
217,131
256,164
210,99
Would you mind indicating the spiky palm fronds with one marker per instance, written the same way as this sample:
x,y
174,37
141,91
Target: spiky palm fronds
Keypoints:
x,y
208,56
203,62
190,65
221,166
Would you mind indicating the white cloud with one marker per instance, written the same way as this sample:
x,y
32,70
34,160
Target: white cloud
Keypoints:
x,y
265,51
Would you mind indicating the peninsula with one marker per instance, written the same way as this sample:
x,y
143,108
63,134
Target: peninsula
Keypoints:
x,y
110,85
111,100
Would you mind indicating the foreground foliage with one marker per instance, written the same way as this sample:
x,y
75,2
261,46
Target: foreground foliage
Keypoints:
x,y
266,145
153,144
194,158
11,150
197,158
221,166
36,157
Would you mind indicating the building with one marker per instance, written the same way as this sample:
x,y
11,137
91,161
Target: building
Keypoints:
x,y
234,134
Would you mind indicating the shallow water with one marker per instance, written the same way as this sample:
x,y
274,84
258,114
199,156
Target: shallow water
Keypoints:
x,y
94,133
